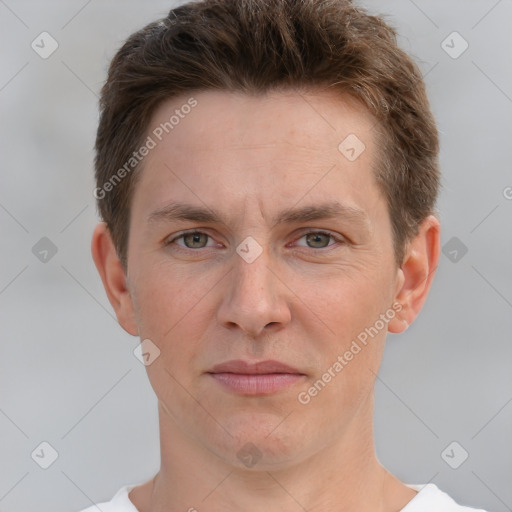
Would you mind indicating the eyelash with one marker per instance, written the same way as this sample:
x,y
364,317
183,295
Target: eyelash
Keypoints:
x,y
337,239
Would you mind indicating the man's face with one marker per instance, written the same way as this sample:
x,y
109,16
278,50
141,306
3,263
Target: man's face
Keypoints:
x,y
316,286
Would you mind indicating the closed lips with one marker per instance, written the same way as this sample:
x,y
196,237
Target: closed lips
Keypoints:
x,y
259,368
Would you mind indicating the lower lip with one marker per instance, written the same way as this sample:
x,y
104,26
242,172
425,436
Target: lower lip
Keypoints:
x,y
256,384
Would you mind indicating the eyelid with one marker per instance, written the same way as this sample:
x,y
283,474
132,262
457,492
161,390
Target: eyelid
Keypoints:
x,y
335,236
181,234
338,241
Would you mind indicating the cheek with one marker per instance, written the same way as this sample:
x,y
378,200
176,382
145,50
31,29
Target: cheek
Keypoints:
x,y
163,304
350,299
171,314
351,354
351,309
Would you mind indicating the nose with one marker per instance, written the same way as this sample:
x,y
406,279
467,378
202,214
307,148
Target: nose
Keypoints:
x,y
255,298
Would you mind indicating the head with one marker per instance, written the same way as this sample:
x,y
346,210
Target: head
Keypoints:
x,y
304,135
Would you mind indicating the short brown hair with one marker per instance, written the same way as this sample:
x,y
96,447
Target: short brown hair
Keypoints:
x,y
256,46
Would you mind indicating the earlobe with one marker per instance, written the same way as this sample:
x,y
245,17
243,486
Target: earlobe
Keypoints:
x,y
113,277
416,273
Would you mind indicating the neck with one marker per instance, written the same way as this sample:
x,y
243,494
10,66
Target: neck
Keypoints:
x,y
343,476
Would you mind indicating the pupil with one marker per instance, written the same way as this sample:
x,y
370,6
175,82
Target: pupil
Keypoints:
x,y
196,238
315,238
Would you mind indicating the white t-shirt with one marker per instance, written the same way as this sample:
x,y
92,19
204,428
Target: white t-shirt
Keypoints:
x,y
428,499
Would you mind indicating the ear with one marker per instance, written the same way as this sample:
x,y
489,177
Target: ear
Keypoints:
x,y
416,274
113,277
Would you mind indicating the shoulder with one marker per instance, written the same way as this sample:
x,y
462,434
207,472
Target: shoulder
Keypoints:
x,y
430,496
120,502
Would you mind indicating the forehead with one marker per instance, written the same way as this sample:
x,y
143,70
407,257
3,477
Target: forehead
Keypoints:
x,y
315,120
281,147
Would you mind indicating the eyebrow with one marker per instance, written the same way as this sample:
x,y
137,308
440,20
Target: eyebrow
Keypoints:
x,y
334,209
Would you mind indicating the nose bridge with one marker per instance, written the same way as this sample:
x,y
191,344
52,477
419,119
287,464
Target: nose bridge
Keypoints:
x,y
252,279
253,296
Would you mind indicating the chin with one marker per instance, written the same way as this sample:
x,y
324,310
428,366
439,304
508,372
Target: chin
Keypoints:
x,y
258,441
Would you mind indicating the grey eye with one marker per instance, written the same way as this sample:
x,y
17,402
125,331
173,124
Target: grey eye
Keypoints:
x,y
195,240
318,240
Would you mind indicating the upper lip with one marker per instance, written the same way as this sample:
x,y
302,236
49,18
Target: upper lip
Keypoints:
x,y
260,368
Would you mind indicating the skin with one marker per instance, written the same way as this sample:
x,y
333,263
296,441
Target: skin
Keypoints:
x,y
301,302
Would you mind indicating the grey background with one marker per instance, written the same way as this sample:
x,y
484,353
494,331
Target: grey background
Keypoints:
x,y
67,372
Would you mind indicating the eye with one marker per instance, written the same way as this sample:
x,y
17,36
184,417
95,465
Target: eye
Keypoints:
x,y
319,239
192,240
199,240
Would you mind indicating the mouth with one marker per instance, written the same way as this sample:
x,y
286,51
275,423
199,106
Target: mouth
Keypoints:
x,y
259,378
